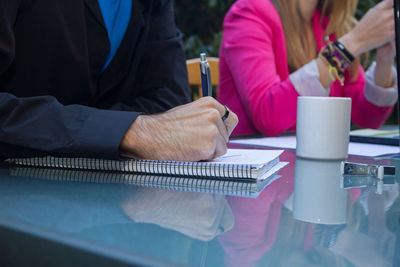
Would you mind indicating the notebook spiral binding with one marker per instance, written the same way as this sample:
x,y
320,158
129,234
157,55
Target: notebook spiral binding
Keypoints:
x,y
144,180
187,169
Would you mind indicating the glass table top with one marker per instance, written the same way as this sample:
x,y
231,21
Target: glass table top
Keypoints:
x,y
308,215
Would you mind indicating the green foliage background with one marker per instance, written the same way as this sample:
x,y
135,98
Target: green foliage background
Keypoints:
x,y
201,23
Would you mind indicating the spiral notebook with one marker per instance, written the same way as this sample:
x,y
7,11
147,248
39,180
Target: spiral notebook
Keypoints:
x,y
236,164
225,187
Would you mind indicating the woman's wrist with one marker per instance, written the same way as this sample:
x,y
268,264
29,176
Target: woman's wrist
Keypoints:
x,y
352,44
384,56
383,62
383,75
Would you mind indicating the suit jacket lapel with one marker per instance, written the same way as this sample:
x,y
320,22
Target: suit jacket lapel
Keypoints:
x,y
94,8
120,64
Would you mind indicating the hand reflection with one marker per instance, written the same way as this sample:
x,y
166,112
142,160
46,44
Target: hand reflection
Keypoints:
x,y
197,215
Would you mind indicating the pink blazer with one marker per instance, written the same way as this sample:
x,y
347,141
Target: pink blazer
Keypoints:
x,y
254,74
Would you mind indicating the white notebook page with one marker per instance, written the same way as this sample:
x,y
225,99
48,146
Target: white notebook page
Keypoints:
x,y
254,157
289,142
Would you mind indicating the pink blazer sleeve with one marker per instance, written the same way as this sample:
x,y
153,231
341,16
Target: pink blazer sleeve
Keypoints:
x,y
251,54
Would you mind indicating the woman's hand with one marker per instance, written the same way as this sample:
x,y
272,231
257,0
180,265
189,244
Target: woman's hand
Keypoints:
x,y
374,30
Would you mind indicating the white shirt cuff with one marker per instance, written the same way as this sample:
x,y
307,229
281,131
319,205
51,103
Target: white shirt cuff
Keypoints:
x,y
379,96
306,81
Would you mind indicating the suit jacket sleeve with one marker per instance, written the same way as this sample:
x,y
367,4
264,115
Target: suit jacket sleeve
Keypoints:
x,y
30,126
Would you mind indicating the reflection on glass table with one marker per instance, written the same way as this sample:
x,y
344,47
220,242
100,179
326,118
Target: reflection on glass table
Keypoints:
x,y
199,216
150,215
225,187
342,227
318,196
120,220
171,226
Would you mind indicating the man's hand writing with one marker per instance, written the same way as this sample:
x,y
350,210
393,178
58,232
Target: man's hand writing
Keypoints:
x,y
190,132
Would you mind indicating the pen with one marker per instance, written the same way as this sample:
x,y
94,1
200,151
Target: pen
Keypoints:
x,y
205,75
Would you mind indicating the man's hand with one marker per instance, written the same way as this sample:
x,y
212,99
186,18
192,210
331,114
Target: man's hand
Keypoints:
x,y
190,132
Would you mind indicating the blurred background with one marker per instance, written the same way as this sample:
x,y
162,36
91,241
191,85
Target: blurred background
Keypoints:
x,y
201,24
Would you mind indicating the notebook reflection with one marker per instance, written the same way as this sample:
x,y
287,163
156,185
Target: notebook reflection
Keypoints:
x,y
97,203
225,187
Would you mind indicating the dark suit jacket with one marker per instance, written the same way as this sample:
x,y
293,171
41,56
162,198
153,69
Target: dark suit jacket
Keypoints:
x,y
53,98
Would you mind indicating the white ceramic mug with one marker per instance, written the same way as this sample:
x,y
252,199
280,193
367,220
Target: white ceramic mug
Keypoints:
x,y
318,194
323,126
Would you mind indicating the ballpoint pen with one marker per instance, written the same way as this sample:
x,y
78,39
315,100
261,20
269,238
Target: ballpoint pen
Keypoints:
x,y
205,75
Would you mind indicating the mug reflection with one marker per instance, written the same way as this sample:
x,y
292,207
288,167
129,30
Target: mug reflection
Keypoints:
x,y
318,196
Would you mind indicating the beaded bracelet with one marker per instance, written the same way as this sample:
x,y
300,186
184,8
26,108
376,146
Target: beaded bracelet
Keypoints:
x,y
333,71
337,58
344,51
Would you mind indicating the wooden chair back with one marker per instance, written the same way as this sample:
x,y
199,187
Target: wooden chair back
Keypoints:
x,y
193,69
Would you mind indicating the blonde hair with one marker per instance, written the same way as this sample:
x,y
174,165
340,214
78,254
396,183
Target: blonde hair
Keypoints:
x,y
341,21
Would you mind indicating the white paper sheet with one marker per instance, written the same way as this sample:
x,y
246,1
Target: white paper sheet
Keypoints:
x,y
289,142
247,156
